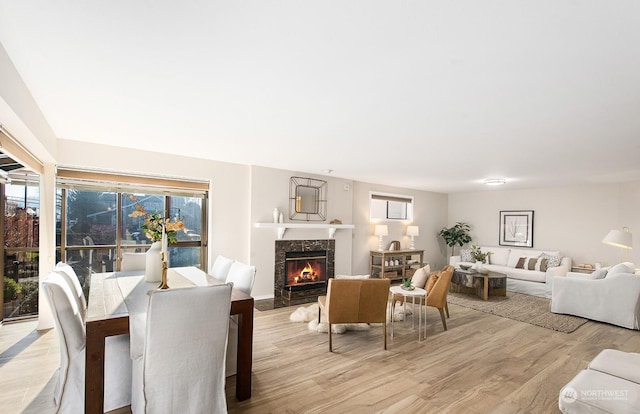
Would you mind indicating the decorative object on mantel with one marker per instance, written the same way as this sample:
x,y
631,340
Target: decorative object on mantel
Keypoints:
x,y
335,221
381,230
276,215
413,231
516,228
307,199
620,238
160,231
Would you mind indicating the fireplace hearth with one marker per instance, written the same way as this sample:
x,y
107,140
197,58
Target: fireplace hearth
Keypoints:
x,y
302,270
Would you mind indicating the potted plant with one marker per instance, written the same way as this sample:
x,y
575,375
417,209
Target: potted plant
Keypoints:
x,y
406,284
478,254
457,234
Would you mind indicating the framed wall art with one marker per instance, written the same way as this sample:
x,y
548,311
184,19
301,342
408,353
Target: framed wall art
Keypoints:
x,y
516,228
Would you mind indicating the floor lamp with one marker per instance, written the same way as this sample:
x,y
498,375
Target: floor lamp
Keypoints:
x,y
620,238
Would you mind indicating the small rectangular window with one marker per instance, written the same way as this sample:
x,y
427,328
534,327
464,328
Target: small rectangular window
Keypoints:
x,y
390,207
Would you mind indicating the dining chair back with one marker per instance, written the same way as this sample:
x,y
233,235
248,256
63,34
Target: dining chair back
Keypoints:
x,y
220,268
71,278
69,389
242,276
133,261
181,369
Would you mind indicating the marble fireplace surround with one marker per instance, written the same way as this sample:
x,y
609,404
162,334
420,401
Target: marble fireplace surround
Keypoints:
x,y
299,246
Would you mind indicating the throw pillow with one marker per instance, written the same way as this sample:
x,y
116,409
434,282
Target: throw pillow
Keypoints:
x,y
465,255
542,264
599,274
552,260
621,268
419,278
433,278
520,264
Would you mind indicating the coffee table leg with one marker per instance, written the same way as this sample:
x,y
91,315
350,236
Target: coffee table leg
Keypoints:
x,y
486,288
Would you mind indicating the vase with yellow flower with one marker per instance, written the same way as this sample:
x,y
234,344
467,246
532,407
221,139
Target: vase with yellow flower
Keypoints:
x,y
161,231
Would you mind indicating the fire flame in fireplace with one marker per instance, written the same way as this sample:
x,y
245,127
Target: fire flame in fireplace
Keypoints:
x,y
307,274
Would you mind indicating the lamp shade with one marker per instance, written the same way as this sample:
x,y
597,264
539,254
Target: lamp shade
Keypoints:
x,y
619,238
413,231
381,230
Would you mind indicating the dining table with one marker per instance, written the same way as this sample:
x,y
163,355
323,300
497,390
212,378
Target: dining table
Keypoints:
x,y
115,296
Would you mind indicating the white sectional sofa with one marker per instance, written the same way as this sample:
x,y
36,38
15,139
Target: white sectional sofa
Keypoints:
x,y
530,275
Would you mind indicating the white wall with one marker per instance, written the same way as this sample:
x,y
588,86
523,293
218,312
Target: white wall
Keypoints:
x,y
573,220
430,215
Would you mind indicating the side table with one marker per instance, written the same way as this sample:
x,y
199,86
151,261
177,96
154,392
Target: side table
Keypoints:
x,y
413,294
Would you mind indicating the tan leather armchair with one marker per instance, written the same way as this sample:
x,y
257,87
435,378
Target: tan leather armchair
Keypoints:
x,y
428,286
437,294
355,301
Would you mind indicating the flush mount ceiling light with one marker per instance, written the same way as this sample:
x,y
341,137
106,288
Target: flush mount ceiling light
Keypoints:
x,y
327,171
495,181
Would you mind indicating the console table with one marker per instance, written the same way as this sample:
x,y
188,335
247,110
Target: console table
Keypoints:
x,y
383,263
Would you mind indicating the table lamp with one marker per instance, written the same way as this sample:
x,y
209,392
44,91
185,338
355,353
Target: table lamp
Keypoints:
x,y
620,238
413,231
381,230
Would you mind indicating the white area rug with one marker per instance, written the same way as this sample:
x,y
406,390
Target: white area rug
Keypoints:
x,y
309,315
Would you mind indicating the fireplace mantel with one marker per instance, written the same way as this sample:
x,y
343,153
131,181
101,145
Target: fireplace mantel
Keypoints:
x,y
282,227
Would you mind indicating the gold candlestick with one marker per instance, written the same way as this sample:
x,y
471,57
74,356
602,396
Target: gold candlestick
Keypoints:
x,y
163,280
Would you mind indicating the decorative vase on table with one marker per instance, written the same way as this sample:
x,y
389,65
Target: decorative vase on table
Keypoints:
x,y
478,265
153,268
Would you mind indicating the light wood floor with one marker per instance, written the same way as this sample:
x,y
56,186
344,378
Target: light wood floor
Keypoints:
x,y
482,364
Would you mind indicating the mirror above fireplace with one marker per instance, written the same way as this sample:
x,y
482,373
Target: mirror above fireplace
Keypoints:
x,y
307,199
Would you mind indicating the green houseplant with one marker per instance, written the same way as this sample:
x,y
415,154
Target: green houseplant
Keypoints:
x,y
457,234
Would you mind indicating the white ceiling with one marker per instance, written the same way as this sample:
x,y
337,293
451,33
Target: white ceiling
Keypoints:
x,y
433,95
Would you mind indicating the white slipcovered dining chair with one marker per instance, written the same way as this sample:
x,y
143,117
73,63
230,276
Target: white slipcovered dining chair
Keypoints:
x,y
220,268
181,368
242,276
70,276
133,261
69,390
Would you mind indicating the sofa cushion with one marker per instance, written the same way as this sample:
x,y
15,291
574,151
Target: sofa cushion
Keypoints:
x,y
514,257
625,365
625,267
465,255
522,274
592,391
499,256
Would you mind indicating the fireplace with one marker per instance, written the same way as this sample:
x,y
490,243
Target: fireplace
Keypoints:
x,y
302,270
305,270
